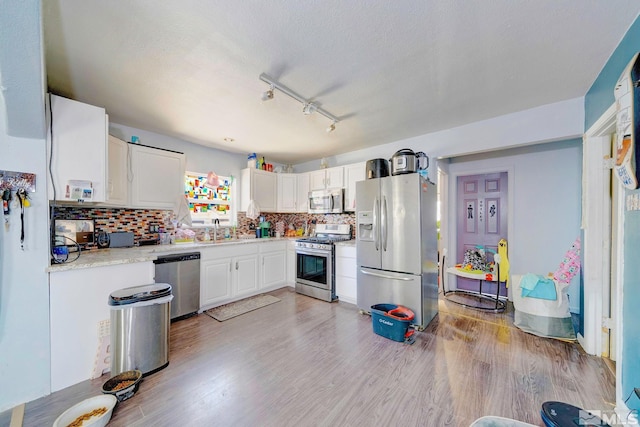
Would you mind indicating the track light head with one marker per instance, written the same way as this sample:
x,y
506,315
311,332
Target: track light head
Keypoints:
x,y
267,95
331,127
309,108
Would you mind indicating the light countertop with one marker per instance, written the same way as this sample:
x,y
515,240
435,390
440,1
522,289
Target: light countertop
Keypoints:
x,y
114,256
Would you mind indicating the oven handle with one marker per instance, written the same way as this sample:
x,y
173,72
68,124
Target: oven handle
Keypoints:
x,y
320,252
384,276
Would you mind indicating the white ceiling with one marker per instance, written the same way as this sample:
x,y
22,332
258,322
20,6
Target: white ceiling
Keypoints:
x,y
388,69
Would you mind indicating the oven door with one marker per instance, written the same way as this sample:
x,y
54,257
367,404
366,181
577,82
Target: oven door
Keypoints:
x,y
313,267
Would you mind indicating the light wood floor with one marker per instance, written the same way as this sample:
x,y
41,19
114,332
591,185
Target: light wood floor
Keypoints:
x,y
305,362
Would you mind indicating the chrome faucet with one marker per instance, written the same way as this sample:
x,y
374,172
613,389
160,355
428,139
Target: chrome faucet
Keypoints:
x,y
216,224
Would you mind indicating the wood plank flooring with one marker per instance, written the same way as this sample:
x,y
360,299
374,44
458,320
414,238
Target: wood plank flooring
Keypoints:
x,y
305,362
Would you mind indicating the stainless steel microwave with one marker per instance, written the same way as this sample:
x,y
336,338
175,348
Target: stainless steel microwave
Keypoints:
x,y
330,200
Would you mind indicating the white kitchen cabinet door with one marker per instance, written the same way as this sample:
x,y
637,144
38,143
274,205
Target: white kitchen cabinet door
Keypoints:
x,y
352,174
346,273
246,275
287,192
259,186
157,177
77,147
317,180
302,190
335,177
326,178
274,267
291,263
118,170
216,281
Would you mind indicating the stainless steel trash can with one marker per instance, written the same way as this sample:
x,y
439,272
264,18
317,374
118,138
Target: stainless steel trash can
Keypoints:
x,y
140,322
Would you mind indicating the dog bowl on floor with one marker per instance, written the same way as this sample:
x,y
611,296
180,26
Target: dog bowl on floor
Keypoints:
x,y
93,412
123,385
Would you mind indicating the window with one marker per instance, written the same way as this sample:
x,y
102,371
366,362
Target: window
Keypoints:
x,y
207,203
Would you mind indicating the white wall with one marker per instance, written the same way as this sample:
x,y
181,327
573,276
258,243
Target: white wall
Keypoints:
x,y
553,122
24,289
546,203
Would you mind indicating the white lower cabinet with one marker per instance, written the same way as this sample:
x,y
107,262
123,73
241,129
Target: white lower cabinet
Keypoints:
x,y
346,273
291,263
233,272
215,281
246,275
227,272
273,263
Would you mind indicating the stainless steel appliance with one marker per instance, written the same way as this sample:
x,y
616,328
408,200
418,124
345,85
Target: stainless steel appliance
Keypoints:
x,y
330,200
377,168
140,327
315,261
406,161
396,244
182,272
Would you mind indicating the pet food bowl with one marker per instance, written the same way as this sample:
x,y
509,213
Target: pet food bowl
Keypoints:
x,y
123,385
94,412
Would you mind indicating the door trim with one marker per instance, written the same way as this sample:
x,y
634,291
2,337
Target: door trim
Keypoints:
x,y
592,288
452,233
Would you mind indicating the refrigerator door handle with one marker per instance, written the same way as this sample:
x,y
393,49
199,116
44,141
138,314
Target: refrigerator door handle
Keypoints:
x,y
384,276
375,223
383,219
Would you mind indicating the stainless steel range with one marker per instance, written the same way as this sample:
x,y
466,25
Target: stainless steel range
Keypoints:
x,y
315,261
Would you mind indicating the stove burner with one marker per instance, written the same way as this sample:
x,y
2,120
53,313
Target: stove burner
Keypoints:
x,y
323,239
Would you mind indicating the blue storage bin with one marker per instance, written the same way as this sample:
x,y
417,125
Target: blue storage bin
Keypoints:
x,y
389,326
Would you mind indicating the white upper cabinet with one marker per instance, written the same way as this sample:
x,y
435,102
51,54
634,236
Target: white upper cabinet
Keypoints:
x,y
352,174
77,148
287,192
259,186
156,177
326,178
302,198
117,183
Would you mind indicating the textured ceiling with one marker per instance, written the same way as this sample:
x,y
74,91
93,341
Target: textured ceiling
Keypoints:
x,y
389,70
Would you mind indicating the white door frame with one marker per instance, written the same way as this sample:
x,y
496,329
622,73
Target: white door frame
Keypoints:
x,y
594,218
451,208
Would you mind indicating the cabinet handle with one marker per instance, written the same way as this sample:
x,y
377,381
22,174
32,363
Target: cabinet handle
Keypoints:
x,y
229,267
236,265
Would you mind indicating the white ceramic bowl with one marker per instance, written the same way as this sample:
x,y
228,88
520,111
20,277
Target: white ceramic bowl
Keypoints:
x,y
103,401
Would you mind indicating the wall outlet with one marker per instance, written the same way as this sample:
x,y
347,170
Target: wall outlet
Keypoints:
x,y
154,228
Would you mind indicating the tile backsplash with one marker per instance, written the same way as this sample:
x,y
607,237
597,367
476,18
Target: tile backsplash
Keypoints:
x,y
138,221
111,220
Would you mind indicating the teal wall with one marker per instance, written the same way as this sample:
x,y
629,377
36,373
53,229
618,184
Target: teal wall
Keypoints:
x,y
597,100
600,95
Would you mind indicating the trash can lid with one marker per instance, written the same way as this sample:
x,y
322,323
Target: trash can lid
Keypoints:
x,y
139,293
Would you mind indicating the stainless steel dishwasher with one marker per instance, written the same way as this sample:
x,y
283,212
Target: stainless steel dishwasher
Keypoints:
x,y
182,272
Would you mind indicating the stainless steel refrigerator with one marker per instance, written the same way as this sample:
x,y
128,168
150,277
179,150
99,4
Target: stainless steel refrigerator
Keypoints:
x,y
397,251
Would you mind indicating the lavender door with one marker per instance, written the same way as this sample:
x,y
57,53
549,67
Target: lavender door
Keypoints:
x,y
481,220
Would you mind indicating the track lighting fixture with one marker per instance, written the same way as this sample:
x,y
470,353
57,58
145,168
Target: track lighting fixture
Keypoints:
x,y
308,107
268,94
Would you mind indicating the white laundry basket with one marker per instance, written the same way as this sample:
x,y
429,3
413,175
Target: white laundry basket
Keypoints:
x,y
542,317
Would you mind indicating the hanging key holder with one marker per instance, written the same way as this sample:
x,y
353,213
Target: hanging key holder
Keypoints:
x,y
24,203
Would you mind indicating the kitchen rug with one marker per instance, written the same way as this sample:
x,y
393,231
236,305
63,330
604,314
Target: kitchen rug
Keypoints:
x,y
234,309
